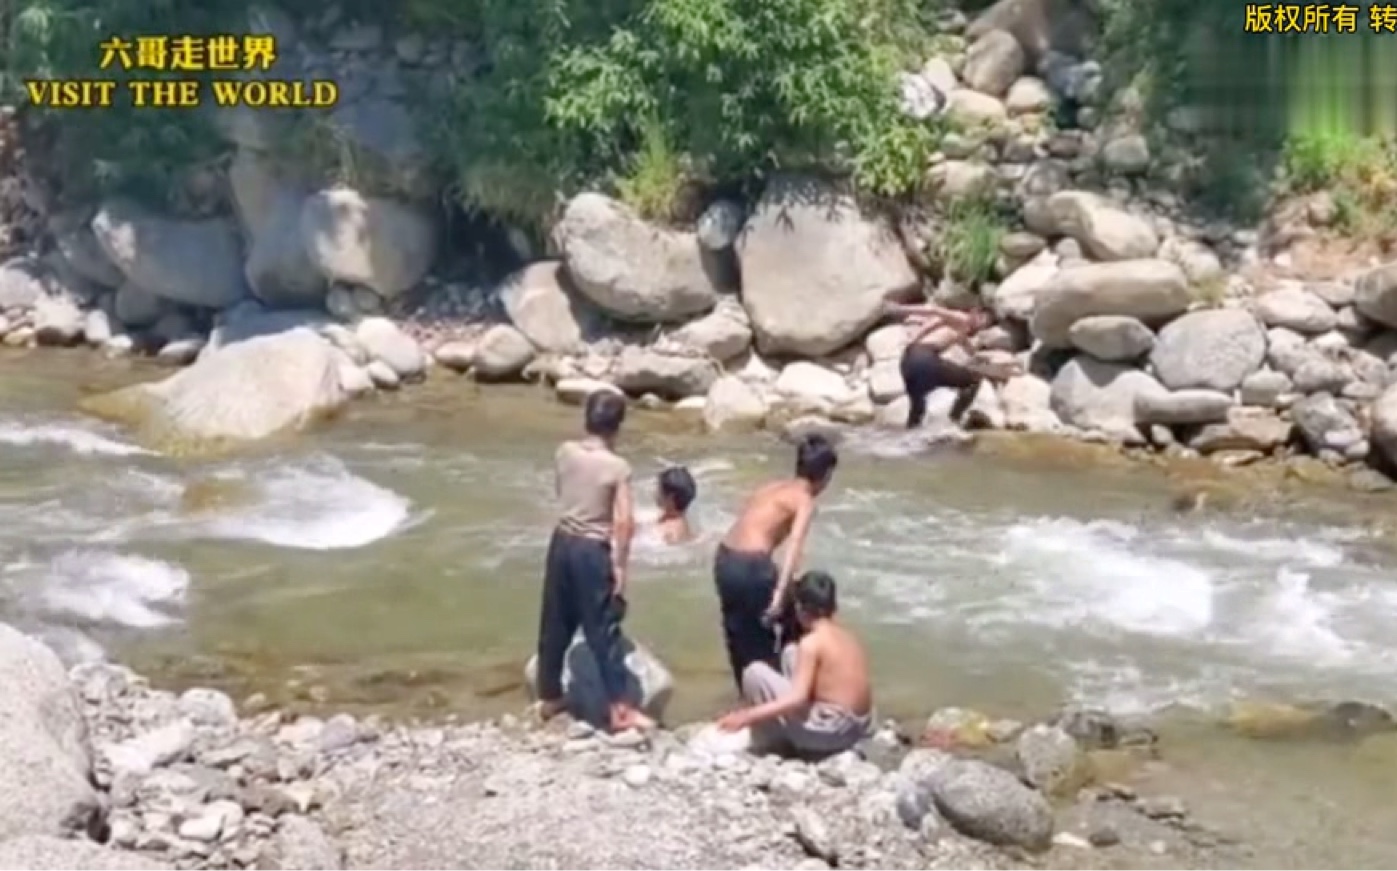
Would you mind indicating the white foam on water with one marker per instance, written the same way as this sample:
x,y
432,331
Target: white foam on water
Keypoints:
x,y
316,504
1295,622
1093,572
109,588
75,438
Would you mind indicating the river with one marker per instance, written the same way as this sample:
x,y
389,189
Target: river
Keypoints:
x,y
391,563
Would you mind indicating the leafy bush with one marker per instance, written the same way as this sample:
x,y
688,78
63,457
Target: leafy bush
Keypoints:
x,y
144,152
575,90
968,247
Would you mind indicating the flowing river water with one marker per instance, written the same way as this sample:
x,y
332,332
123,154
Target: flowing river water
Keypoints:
x,y
391,563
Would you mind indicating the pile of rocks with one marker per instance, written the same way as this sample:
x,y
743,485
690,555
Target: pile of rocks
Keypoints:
x,y
167,780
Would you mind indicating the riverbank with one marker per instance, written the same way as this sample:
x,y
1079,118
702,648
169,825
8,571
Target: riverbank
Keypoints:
x,y
184,782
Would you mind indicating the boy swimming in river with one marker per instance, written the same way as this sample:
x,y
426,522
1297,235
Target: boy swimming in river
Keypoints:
x,y
674,494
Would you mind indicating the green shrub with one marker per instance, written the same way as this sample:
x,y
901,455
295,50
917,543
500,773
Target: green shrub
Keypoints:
x,y
139,152
968,247
579,91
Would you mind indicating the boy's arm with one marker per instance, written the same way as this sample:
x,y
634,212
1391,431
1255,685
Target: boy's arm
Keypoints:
x,y
800,531
622,532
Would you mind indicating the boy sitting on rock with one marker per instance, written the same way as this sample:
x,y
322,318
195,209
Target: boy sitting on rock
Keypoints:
x,y
821,702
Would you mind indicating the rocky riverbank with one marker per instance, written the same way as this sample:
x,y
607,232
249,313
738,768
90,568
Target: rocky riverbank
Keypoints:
x,y
166,780
1136,322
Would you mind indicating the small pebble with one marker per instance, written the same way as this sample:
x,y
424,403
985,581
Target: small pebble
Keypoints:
x,y
637,775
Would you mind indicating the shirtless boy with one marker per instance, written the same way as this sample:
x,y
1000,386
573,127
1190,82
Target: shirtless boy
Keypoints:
x,y
924,366
751,590
674,493
821,701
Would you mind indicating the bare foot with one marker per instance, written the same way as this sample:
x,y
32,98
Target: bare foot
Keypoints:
x,y
629,718
546,711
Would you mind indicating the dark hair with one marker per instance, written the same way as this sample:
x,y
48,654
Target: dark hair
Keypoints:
x,y
814,594
815,458
604,413
678,486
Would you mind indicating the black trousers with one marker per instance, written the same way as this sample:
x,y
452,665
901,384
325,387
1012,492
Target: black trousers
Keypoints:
x,y
746,582
925,370
577,592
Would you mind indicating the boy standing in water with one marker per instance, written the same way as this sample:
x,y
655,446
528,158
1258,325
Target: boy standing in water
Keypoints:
x,y
674,494
585,574
751,590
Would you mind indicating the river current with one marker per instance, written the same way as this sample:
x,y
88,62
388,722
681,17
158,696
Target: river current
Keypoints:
x,y
391,563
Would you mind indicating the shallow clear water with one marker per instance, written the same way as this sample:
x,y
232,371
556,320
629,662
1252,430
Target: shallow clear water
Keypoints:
x,y
392,562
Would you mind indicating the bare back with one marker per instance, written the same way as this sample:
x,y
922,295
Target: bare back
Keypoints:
x,y
767,517
841,667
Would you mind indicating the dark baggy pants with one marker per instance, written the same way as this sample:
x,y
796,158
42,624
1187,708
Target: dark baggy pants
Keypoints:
x,y
746,582
577,592
925,370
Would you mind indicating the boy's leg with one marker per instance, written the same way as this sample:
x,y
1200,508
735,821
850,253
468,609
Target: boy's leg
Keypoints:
x,y
600,616
557,623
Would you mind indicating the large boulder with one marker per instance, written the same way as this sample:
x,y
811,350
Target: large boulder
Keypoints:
x,y
1093,395
244,391
136,307
815,269
78,246
1296,308
542,304
993,63
630,268
1017,295
1150,291
649,685
44,749
1028,404
279,269
194,262
1384,424
1325,424
1375,294
988,803
673,376
1105,230
382,244
1213,349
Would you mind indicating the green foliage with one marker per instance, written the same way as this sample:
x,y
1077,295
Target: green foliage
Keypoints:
x,y
657,176
143,152
1360,174
968,246
577,90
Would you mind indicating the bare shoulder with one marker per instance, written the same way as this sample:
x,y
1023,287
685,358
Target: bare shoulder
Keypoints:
x,y
622,467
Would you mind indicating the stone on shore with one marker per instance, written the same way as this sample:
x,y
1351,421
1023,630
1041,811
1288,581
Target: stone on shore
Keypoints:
x,y
502,352
630,268
1182,407
23,282
1384,424
1297,309
671,376
381,244
247,390
723,334
574,391
48,853
543,305
1017,295
386,341
1150,291
43,746
649,684
816,270
1105,230
990,804
1375,294
1093,395
1209,350
1112,338
1051,759
732,404
196,263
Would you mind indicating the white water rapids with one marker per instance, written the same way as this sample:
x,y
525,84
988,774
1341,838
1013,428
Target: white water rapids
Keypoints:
x,y
1135,613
